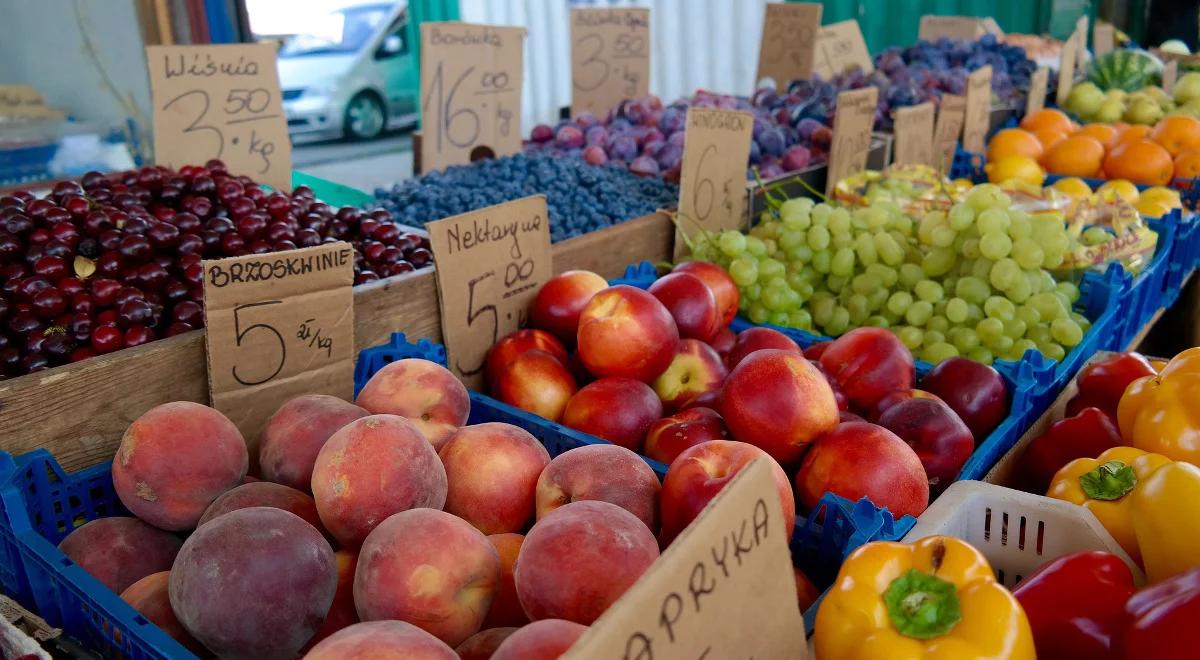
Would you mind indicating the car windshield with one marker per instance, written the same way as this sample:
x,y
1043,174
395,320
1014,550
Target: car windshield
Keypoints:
x,y
343,31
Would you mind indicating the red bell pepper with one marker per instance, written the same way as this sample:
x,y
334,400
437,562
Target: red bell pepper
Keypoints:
x,y
1076,605
1102,382
1165,620
1085,435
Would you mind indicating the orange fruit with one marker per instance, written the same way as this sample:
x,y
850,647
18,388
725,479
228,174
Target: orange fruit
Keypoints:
x,y
1049,137
1107,135
1048,118
1078,155
1177,133
1187,164
1140,161
1135,132
1013,142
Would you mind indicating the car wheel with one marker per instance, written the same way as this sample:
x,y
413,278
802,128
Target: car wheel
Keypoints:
x,y
364,117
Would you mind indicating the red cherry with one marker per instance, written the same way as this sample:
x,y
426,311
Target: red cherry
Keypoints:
x,y
107,338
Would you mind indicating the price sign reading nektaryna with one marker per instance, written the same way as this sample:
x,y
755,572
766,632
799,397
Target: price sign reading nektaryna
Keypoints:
x,y
491,263
220,102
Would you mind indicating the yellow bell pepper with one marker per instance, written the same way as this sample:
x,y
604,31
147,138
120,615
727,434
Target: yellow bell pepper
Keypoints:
x,y
936,598
1159,413
1103,486
1166,520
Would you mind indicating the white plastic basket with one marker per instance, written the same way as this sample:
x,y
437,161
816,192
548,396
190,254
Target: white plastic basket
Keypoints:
x,y
1016,531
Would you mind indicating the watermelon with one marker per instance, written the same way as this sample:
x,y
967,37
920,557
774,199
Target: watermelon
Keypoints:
x,y
1127,69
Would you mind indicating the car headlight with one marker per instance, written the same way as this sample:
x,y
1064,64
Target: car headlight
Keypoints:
x,y
322,90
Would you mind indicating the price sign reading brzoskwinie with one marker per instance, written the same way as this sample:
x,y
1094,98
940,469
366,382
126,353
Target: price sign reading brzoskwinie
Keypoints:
x,y
712,179
220,102
490,265
279,325
470,92
852,124
789,42
610,58
979,105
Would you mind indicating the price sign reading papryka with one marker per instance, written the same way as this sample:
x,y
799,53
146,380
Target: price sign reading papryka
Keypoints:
x,y
852,124
712,178
979,106
220,102
913,128
951,112
840,46
278,325
610,58
789,42
490,265
470,92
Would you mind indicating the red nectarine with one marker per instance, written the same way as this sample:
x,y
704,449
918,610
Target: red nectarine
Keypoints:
x,y
560,300
626,332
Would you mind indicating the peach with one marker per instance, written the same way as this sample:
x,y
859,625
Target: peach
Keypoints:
x,y
264,493
430,569
175,460
483,644
722,285
868,363
600,472
503,352
295,434
537,382
561,300
580,559
859,459
381,640
696,369
669,436
371,468
492,471
151,598
616,409
626,332
691,303
700,472
342,613
778,401
119,551
506,607
723,342
424,392
255,582
756,339
547,639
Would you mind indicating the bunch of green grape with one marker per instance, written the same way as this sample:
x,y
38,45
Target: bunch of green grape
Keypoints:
x,y
969,281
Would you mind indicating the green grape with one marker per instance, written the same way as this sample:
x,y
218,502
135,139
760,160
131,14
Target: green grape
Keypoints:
x,y
800,252
859,309
773,298
1082,320
877,322
751,293
1001,344
956,310
822,260
961,216
990,329
1029,315
1045,224
928,290
1055,244
1005,273
938,322
1028,253
840,321
972,289
779,317
864,283
995,245
822,309
772,246
755,246
986,196
864,246
982,268
966,340
910,274
1062,298
790,240
800,318
843,240
877,217
943,236
938,261
886,274
795,213
1019,292
1095,236
974,313
991,221
888,249
1019,226
771,268
1047,282
1014,328
839,219
918,313
877,298
858,218
939,352
776,281
759,314
909,336
796,278
902,224
804,290
939,307
792,299
999,308
1069,290
970,248
980,354
743,271
1066,332
899,302
820,214
1022,345
818,237
932,220
835,283
932,337
1040,334
1053,260
761,231
843,262
732,243
1052,350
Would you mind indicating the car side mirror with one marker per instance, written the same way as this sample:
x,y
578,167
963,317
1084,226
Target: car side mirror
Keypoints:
x,y
392,45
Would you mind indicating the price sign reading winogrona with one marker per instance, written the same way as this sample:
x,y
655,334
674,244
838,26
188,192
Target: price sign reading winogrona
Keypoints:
x,y
220,102
470,92
610,58
490,265
712,179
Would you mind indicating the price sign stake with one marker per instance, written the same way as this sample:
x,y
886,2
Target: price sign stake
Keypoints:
x,y
840,46
610,58
278,325
913,127
470,92
491,263
220,102
852,124
1037,90
979,105
1169,74
789,41
950,118
712,181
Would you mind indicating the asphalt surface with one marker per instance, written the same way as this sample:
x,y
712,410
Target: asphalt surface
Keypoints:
x,y
308,154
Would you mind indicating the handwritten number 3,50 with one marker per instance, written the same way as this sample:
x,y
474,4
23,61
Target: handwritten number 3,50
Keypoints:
x,y
243,334
196,125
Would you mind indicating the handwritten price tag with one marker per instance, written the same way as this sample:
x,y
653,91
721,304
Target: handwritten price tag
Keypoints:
x,y
1102,39
279,325
1037,90
712,181
220,102
610,58
789,42
840,46
491,263
958,28
470,92
722,589
852,124
979,105
913,128
951,114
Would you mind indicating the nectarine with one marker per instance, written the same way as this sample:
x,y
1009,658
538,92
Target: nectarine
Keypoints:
x,y
559,302
619,410
859,459
626,332
424,392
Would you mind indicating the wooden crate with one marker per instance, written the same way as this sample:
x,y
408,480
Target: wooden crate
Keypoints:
x,y
79,411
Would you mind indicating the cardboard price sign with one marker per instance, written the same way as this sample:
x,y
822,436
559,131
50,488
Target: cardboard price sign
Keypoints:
x,y
722,589
839,46
279,325
220,102
491,263
913,128
852,124
979,105
958,28
1081,36
712,181
1037,90
1066,70
1102,39
610,58
789,41
471,79
1169,74
951,114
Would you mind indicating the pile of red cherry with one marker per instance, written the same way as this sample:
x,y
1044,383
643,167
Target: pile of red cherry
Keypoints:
x,y
113,261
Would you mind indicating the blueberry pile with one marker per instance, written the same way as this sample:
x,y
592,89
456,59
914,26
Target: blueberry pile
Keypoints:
x,y
581,197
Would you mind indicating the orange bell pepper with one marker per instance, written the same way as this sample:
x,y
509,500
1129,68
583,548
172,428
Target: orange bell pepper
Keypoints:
x,y
1159,413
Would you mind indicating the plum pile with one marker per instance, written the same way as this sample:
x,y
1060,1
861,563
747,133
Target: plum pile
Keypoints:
x,y
580,198
111,262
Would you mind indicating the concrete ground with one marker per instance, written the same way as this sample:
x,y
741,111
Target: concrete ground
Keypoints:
x,y
362,165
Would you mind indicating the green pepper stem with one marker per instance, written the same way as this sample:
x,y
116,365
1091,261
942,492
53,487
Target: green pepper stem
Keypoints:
x,y
922,606
1110,481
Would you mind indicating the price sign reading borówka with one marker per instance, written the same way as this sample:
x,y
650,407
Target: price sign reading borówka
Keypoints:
x,y
470,92
490,265
712,177
610,57
279,325
220,102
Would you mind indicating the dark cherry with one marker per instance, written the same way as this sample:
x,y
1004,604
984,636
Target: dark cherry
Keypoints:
x,y
178,328
386,233
193,274
307,238
201,207
150,178
216,166
152,276
229,189
48,303
107,317
11,201
31,286
70,286
163,235
110,239
190,244
212,241
56,248
381,215
34,362
50,267
260,247
107,338
337,230
420,257
136,248
365,276
283,246
187,223
109,264
19,224
10,361
135,312
126,294
138,335
373,250
82,353
65,188
66,233
367,227
189,312
92,179
240,207
175,291
83,303
88,247
136,225
58,346
81,326
10,246
232,244
278,205
38,208
39,236
104,291
56,215
203,185
220,225
279,231
251,226
390,255
23,323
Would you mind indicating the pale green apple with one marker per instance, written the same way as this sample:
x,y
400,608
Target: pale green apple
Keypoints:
x,y
1187,87
1175,46
1118,94
1110,111
1157,93
1143,111
1085,99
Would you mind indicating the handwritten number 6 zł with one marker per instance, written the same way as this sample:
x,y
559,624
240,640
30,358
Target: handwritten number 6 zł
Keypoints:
x,y
196,125
702,215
